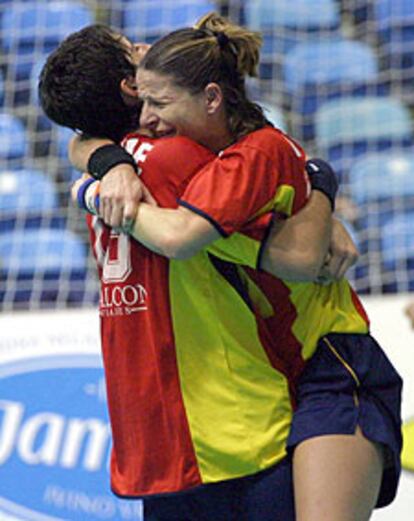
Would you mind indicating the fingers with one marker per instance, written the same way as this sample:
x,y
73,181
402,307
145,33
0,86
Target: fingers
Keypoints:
x,y
340,263
324,278
120,194
336,265
111,213
339,267
74,191
117,212
343,251
129,215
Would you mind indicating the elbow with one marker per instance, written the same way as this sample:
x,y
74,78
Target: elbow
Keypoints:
x,y
298,267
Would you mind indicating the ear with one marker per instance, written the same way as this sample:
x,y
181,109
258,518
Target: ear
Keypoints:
x,y
128,87
214,97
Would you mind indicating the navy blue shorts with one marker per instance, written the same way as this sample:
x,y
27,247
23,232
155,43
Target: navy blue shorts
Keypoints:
x,y
266,496
350,382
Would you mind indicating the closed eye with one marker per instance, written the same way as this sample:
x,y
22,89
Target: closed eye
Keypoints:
x,y
157,104
151,102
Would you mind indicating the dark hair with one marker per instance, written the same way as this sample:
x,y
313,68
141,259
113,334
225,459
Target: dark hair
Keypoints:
x,y
215,50
79,85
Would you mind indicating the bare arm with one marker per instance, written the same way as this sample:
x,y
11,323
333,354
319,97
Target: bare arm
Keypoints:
x,y
297,247
310,229
309,246
175,233
80,149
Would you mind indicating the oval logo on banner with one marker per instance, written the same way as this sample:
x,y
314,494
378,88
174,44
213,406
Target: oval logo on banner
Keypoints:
x,y
55,442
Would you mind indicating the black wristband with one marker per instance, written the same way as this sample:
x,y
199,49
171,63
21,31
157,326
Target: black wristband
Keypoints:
x,y
323,178
106,157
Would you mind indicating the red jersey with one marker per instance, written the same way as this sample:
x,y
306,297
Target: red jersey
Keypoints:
x,y
198,385
143,391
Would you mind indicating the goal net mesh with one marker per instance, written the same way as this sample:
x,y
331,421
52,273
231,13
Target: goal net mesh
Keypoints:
x,y
337,76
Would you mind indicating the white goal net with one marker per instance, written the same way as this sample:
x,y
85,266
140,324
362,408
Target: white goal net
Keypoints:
x,y
338,76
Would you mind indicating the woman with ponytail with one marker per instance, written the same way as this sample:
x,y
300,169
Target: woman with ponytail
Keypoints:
x,y
345,439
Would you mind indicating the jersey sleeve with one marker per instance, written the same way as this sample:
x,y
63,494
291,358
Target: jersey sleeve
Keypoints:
x,y
276,186
232,189
248,180
170,165
244,247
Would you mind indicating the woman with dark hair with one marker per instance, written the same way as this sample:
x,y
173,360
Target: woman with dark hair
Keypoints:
x,y
88,83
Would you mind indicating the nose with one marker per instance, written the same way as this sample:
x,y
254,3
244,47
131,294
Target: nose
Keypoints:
x,y
148,119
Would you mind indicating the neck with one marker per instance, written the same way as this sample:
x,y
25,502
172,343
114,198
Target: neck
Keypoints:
x,y
219,143
221,137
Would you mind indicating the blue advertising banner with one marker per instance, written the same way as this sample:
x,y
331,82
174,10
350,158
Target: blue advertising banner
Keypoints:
x,y
55,442
54,431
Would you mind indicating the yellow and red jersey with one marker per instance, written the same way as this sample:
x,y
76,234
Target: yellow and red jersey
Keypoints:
x,y
202,355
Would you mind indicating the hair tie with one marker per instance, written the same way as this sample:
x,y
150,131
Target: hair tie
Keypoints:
x,y
222,39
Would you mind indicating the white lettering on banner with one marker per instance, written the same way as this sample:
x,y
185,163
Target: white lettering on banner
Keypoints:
x,y
13,413
103,507
61,438
77,430
47,452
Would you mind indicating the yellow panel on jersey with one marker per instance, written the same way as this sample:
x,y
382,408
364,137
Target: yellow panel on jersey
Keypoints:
x,y
281,203
237,404
283,200
330,309
237,248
